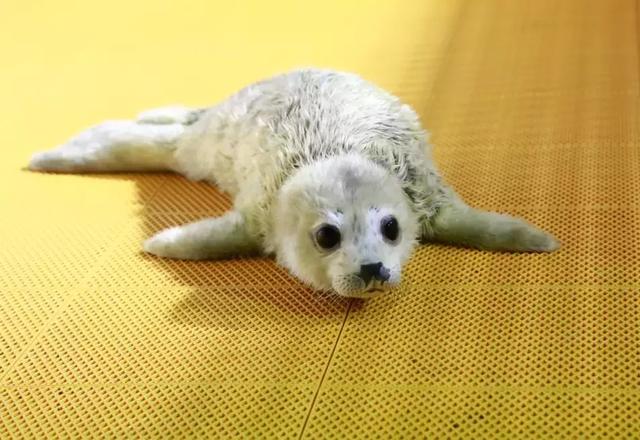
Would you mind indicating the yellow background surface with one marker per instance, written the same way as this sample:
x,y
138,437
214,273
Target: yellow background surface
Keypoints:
x,y
533,109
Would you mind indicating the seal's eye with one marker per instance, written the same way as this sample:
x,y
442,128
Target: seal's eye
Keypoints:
x,y
327,237
389,228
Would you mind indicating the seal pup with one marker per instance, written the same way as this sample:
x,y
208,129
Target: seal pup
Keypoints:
x,y
328,172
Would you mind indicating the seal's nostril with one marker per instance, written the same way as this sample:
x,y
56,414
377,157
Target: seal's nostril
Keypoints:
x,y
384,274
374,271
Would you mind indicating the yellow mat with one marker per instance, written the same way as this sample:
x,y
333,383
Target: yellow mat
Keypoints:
x,y
534,110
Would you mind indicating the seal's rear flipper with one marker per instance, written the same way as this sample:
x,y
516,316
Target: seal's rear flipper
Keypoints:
x,y
461,224
114,146
176,114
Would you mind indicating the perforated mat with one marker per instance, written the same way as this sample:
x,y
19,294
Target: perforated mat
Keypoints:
x,y
533,109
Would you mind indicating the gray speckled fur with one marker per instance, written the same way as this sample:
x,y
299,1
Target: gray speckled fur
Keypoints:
x,y
304,116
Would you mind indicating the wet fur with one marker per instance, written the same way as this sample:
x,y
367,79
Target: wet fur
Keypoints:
x,y
283,139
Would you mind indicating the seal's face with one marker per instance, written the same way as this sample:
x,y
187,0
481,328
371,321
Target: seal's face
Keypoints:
x,y
345,225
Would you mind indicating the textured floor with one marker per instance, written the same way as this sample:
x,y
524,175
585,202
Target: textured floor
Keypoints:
x,y
534,110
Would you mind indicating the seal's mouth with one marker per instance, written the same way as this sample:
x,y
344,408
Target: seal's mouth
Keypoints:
x,y
362,291
371,292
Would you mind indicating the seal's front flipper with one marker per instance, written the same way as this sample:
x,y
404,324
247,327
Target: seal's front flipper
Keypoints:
x,y
461,224
212,238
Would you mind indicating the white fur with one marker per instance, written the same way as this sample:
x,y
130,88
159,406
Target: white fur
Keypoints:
x,y
177,114
296,151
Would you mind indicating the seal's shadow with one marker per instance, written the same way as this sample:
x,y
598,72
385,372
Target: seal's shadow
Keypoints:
x,y
253,283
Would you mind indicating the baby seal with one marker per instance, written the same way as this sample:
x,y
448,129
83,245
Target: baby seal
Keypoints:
x,y
328,172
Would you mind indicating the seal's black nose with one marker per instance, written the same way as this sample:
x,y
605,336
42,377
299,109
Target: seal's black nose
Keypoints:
x,y
374,270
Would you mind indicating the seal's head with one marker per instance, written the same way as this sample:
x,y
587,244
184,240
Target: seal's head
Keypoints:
x,y
344,224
